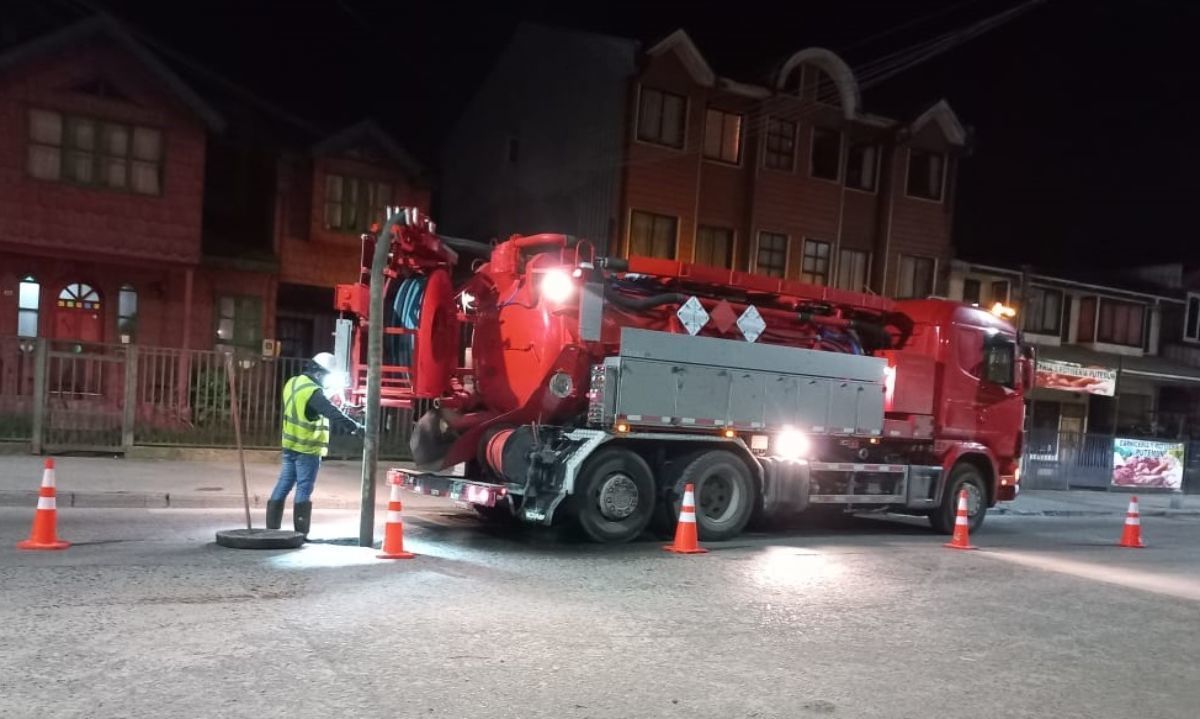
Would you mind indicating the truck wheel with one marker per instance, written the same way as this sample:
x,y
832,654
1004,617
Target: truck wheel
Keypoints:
x,y
724,494
615,496
963,476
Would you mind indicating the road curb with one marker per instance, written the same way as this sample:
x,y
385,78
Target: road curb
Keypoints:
x,y
1093,513
156,500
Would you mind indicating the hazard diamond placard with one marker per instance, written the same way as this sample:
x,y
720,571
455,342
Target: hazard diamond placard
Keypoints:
x,y
692,315
751,324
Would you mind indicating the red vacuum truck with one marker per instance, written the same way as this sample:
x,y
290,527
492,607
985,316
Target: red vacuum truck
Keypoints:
x,y
551,384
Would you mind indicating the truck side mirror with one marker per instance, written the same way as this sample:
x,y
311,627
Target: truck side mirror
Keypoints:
x,y
1028,367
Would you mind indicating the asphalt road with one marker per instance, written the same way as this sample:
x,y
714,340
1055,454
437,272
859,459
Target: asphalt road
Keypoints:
x,y
145,617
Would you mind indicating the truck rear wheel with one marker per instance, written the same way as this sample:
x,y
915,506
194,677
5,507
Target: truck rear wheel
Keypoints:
x,y
963,476
725,494
615,496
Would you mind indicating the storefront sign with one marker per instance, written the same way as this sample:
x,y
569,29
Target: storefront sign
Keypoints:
x,y
1146,463
1072,377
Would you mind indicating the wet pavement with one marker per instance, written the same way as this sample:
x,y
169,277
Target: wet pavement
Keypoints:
x,y
860,617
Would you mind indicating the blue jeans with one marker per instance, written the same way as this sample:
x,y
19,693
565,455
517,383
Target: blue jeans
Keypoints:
x,y
300,471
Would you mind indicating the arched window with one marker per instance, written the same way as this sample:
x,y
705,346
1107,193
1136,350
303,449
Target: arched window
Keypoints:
x,y
127,310
28,299
79,296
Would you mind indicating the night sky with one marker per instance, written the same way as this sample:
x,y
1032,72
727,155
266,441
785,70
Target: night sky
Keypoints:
x,y
1082,110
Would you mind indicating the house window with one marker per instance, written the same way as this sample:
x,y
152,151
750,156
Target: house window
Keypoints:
x,y
1191,326
972,291
1120,323
723,136
852,270
862,167
1043,311
28,299
781,145
78,296
826,153
238,322
815,268
127,311
926,171
1085,331
652,235
771,258
93,152
1000,291
352,203
661,117
714,247
916,277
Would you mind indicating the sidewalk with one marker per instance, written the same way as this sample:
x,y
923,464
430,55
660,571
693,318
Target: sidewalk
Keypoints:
x,y
167,483
164,483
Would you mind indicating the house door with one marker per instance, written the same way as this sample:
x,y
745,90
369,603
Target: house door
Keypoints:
x,y
77,314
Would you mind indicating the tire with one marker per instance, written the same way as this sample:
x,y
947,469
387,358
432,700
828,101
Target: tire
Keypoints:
x,y
614,498
963,476
725,494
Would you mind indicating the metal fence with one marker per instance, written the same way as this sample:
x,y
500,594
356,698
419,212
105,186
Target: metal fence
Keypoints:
x,y
1066,460
75,396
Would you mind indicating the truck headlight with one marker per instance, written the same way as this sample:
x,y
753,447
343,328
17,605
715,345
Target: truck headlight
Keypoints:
x,y
792,444
557,286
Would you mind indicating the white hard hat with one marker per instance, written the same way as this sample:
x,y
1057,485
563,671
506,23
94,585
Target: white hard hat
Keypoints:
x,y
325,361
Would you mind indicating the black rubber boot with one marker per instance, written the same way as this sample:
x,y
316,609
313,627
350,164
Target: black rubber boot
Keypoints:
x,y
301,516
274,513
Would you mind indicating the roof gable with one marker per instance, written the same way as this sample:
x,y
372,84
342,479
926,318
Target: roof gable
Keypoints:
x,y
102,26
369,137
681,43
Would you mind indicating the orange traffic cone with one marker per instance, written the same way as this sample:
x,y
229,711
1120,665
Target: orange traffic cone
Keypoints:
x,y
686,540
44,534
962,526
1131,538
393,530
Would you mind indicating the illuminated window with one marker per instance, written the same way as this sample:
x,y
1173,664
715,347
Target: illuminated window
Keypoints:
x,y
652,235
79,296
852,270
714,247
28,299
238,322
723,136
661,117
826,153
916,277
88,151
815,269
127,310
1043,311
771,257
352,203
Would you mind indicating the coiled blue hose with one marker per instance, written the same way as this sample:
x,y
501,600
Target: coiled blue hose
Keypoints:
x,y
406,313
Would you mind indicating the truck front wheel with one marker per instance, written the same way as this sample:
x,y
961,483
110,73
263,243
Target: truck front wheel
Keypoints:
x,y
614,497
725,494
963,476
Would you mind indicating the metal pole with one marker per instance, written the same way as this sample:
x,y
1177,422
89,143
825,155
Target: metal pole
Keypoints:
x,y
237,433
375,324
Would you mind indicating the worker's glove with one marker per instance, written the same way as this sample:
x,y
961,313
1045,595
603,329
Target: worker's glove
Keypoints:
x,y
360,429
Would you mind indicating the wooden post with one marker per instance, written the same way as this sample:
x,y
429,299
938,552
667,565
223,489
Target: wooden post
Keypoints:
x,y
40,358
129,401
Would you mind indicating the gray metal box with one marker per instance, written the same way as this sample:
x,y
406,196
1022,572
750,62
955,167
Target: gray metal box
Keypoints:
x,y
661,379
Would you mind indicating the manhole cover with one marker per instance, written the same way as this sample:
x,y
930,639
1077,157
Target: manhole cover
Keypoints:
x,y
210,489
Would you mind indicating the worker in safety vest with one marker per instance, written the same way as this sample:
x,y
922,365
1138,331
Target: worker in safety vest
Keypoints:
x,y
307,414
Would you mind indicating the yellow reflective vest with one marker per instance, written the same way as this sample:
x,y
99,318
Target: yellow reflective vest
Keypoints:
x,y
300,434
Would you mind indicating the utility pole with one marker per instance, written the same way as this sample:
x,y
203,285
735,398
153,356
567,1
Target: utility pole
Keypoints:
x,y
370,461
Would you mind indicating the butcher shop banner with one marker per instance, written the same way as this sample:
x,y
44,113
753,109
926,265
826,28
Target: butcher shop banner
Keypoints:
x,y
1072,377
1145,463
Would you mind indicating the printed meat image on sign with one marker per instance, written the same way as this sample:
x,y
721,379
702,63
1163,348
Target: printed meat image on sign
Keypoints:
x,y
1145,463
1072,377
